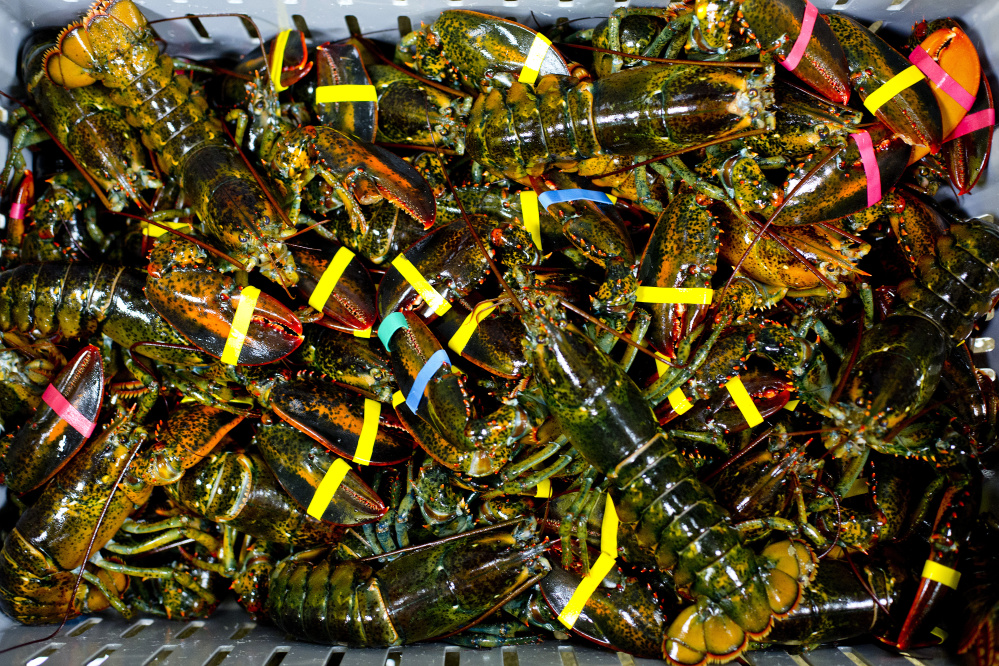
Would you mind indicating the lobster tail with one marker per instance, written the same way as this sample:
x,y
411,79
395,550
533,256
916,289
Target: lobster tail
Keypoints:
x,y
718,630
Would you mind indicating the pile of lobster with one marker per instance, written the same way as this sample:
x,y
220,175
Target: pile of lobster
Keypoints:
x,y
349,331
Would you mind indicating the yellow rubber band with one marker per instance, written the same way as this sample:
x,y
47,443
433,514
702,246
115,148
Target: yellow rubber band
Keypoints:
x,y
366,442
278,64
327,488
745,404
398,398
364,332
939,633
420,284
532,66
792,405
329,278
346,93
892,87
544,489
464,332
608,530
690,295
585,590
679,402
661,365
599,570
859,487
941,574
154,231
240,322
532,215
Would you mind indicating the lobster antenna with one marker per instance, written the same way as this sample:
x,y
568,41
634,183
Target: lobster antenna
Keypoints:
x,y
243,17
739,454
79,167
499,604
93,538
713,142
836,230
620,336
426,149
203,245
464,215
863,582
668,61
839,518
834,398
430,544
770,220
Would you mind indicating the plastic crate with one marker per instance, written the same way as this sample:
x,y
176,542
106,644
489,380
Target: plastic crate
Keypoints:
x,y
230,636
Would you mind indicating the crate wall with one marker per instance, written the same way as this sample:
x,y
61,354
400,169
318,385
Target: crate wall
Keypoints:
x,y
230,637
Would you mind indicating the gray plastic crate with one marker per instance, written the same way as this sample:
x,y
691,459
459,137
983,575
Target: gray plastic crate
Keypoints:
x,y
230,637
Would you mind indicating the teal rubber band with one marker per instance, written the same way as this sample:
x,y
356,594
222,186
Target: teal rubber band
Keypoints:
x,y
390,325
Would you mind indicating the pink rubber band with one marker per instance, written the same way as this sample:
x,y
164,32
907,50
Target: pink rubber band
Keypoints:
x,y
67,412
871,170
805,36
974,122
17,211
935,73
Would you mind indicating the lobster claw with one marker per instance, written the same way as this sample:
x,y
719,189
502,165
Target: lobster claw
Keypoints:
x,y
363,173
449,261
913,111
346,422
954,51
966,154
300,464
60,427
201,305
950,530
626,620
341,64
840,186
350,298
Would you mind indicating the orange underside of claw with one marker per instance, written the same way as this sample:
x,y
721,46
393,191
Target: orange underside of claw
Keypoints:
x,y
956,55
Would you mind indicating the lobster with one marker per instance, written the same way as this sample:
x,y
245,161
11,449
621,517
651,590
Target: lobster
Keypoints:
x,y
89,125
80,300
114,44
415,597
49,542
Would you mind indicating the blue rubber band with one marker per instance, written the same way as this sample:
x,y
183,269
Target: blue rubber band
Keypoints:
x,y
546,199
390,325
423,377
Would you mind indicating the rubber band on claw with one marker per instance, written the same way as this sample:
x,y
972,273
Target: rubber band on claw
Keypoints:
x,y
67,412
329,278
599,570
327,488
346,93
546,199
805,36
240,323
536,56
744,402
438,360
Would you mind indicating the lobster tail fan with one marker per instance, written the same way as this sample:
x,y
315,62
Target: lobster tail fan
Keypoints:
x,y
74,43
69,64
792,566
123,11
703,632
